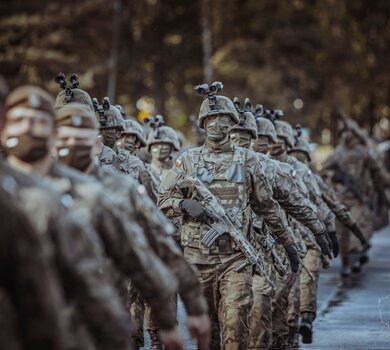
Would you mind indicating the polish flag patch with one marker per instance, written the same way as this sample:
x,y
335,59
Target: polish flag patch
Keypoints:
x,y
178,162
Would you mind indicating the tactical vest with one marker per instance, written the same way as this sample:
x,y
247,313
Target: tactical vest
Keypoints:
x,y
229,183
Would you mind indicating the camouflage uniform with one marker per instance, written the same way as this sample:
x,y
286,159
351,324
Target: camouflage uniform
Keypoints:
x,y
234,176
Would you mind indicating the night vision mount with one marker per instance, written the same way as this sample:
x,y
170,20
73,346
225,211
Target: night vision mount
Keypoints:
x,y
60,79
210,92
101,109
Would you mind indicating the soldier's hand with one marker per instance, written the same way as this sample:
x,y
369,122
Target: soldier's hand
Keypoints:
x,y
199,328
172,339
292,254
322,241
194,209
335,243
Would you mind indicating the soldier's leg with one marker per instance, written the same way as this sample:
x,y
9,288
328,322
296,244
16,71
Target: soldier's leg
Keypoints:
x,y
208,277
308,305
280,310
293,313
235,303
260,317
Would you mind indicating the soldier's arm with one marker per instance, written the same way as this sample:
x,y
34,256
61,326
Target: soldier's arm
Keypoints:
x,y
126,244
263,204
149,181
294,203
170,195
100,306
159,230
338,208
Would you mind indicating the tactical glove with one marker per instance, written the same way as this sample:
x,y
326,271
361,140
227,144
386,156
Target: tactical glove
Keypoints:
x,y
322,241
194,209
292,254
335,243
359,235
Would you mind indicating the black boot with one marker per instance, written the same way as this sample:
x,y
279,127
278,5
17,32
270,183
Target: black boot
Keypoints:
x,y
355,262
345,271
306,327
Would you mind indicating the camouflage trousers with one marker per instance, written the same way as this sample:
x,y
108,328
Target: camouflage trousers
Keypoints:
x,y
260,317
280,326
308,287
229,297
347,241
294,298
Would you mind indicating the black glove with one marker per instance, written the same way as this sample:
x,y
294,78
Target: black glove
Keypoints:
x,y
194,209
359,235
335,243
292,254
322,241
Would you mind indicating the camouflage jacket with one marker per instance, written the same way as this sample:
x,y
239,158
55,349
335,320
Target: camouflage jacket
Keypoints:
x,y
122,238
78,264
129,164
158,231
106,156
234,176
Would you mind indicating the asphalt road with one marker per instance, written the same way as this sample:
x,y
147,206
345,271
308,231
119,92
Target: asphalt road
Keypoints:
x,y
356,317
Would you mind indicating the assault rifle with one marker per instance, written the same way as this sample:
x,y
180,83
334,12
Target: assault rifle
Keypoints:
x,y
224,221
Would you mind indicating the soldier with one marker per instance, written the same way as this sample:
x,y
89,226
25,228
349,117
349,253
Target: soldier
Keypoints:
x,y
28,132
132,139
352,170
234,176
140,209
286,192
161,143
313,261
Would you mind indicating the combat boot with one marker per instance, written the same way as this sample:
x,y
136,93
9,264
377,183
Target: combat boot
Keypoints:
x,y
155,341
306,327
356,266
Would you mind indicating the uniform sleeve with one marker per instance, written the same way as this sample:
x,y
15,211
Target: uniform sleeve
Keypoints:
x,y
126,244
263,204
294,203
336,206
149,181
158,230
170,195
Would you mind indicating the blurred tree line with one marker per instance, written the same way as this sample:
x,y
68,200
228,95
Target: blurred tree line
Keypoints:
x,y
307,57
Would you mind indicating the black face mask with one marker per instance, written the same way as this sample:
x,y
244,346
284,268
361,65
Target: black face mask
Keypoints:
x,y
77,156
27,147
109,137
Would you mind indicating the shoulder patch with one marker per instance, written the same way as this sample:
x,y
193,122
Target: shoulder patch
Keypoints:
x,y
178,162
309,172
293,173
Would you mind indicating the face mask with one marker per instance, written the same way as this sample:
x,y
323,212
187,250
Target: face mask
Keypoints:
x,y
277,149
109,137
161,151
260,146
217,129
26,147
241,139
127,143
77,156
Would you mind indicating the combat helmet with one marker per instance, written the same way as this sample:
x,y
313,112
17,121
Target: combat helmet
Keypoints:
x,y
108,115
300,145
247,119
163,134
285,130
71,93
214,104
131,127
265,125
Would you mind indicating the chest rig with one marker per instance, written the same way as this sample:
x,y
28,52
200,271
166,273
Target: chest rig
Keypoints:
x,y
225,177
